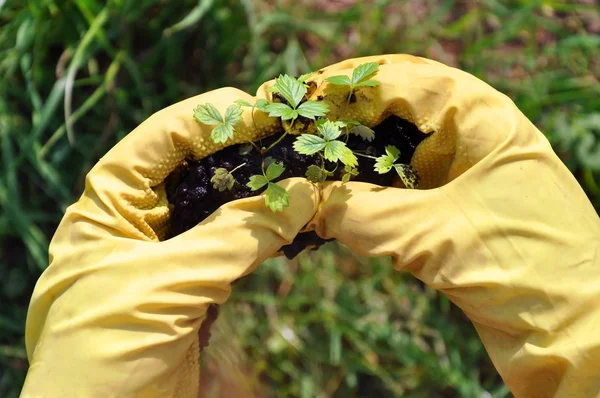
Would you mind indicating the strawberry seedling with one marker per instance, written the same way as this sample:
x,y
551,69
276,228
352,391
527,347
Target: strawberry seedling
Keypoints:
x,y
311,144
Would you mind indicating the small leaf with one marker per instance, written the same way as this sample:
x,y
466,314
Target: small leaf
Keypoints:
x,y
329,130
222,180
290,114
274,170
351,170
348,158
337,150
222,133
312,109
291,89
277,109
305,77
362,72
349,173
261,104
276,197
339,80
257,182
242,103
408,175
208,114
233,114
315,173
369,83
384,163
363,132
392,151
309,144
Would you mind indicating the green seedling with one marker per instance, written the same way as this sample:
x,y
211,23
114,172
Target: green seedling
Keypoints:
x,y
328,144
276,197
407,173
223,179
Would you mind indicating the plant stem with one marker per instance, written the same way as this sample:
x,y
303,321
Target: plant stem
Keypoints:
x,y
250,141
254,125
278,140
364,156
348,101
241,165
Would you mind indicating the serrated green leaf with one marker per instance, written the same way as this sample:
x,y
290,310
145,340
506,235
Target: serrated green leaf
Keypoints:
x,y
222,133
222,180
362,72
233,114
277,198
384,163
303,78
256,182
291,89
363,132
261,104
338,151
277,109
329,130
292,114
350,171
274,170
392,151
348,158
241,102
309,144
208,114
339,80
312,109
315,173
408,175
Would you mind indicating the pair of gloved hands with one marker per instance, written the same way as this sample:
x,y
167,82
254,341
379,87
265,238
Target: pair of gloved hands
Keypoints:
x,y
500,226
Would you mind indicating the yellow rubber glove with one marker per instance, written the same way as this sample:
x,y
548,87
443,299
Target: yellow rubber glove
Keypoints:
x,y
117,312
500,225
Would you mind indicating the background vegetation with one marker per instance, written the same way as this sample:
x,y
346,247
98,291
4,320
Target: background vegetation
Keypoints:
x,y
76,76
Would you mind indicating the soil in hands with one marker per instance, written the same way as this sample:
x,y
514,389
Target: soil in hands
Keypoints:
x,y
193,197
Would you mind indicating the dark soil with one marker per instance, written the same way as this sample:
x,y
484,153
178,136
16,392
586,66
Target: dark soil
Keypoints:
x,y
194,198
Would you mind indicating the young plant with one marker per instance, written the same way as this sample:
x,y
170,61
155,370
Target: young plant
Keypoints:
x,y
276,197
225,127
360,78
293,91
223,179
329,142
385,163
327,145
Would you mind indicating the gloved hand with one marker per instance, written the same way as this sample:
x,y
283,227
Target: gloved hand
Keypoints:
x,y
118,311
500,225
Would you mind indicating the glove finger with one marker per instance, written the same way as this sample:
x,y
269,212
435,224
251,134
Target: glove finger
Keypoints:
x,y
127,183
358,215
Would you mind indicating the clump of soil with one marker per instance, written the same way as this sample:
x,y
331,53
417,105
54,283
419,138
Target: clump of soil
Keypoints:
x,y
193,197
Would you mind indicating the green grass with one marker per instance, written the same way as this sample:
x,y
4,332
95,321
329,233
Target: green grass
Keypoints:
x,y
77,76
